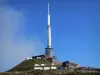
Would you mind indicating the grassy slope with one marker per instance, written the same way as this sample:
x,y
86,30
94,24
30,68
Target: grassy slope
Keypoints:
x,y
50,72
29,63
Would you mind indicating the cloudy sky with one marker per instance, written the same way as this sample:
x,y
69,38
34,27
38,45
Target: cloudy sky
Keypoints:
x,y
75,30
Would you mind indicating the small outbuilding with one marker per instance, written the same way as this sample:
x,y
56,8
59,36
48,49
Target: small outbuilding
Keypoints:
x,y
68,64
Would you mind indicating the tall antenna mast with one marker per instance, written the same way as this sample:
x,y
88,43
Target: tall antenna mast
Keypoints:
x,y
49,29
49,49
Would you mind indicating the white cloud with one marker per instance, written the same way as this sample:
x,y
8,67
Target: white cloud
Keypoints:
x,y
13,50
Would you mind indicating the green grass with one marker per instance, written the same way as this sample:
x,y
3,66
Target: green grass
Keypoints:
x,y
27,64
49,72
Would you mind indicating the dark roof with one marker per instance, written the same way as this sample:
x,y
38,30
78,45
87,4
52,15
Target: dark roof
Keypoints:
x,y
38,56
69,62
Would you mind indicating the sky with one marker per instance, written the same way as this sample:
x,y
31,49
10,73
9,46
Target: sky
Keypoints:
x,y
75,26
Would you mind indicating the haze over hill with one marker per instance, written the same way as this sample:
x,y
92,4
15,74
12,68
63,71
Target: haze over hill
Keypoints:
x,y
14,46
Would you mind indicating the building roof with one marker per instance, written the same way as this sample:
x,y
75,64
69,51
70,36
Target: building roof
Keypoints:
x,y
69,62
